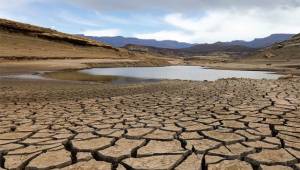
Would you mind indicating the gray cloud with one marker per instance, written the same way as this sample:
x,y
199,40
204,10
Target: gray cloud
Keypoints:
x,y
182,5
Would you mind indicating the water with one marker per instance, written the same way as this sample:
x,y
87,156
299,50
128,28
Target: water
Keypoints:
x,y
24,76
195,73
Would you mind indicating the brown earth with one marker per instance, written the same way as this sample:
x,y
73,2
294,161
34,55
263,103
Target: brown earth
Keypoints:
x,y
225,124
28,48
291,67
286,50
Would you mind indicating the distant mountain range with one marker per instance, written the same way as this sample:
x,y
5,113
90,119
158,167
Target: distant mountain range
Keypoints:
x,y
123,41
196,50
256,43
263,42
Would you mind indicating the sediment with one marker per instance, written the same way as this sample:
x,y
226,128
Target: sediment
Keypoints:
x,y
229,123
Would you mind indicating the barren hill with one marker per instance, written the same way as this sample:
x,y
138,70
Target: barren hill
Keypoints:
x,y
286,50
25,41
196,50
25,48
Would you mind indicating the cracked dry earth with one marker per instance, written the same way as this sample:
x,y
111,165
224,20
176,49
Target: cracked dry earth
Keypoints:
x,y
232,124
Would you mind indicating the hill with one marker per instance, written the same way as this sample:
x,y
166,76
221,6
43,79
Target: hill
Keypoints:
x,y
120,41
197,50
207,49
162,52
263,42
168,44
26,48
286,50
25,41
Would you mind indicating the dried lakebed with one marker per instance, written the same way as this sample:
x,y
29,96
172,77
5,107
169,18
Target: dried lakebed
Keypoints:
x,y
225,124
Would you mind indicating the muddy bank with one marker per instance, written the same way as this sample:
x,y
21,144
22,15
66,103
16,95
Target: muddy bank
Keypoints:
x,y
279,66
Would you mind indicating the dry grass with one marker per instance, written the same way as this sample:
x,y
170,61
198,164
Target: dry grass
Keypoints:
x,y
19,46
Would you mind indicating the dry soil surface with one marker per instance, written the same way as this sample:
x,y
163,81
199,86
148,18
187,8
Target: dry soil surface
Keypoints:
x,y
233,124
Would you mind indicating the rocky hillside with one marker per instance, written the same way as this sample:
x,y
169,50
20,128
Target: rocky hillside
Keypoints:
x,y
286,50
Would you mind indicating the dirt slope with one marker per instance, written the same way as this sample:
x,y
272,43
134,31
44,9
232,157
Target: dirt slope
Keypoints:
x,y
24,41
286,50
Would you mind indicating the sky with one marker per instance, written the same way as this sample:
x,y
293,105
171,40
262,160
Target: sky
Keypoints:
x,y
193,21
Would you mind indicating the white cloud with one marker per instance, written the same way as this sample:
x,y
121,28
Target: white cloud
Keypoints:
x,y
184,20
180,5
16,4
228,25
104,32
166,35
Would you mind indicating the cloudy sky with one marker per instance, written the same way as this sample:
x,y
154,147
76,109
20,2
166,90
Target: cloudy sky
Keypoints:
x,y
194,21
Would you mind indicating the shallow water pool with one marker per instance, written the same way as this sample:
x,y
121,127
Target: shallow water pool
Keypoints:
x,y
195,73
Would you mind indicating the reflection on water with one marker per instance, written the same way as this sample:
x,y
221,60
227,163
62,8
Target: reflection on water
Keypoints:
x,y
23,76
130,80
195,73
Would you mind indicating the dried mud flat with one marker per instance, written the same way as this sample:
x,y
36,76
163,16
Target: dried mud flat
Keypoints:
x,y
227,124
